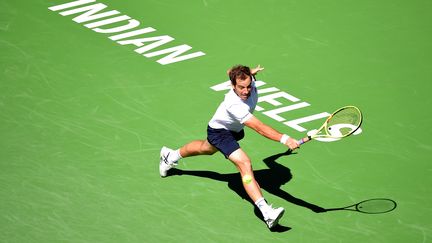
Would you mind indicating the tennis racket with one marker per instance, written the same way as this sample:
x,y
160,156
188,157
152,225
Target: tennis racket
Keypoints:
x,y
342,123
370,206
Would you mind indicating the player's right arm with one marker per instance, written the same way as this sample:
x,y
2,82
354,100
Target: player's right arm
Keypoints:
x,y
269,132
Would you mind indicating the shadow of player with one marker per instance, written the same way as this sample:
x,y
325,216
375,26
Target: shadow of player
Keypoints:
x,y
270,180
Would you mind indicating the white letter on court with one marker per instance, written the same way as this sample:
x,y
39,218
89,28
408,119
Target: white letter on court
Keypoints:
x,y
69,5
295,123
271,98
90,14
174,56
107,21
274,113
130,25
132,33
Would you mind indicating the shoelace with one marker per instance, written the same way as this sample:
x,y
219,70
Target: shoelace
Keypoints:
x,y
165,158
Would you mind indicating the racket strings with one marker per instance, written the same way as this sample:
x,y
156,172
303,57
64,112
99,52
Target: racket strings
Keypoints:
x,y
376,206
345,121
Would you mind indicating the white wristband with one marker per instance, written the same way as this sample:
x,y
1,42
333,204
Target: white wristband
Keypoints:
x,y
284,139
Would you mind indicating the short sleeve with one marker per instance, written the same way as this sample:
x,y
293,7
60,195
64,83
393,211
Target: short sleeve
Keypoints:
x,y
240,112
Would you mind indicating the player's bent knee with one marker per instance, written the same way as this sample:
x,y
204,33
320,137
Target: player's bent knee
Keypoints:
x,y
240,156
246,164
243,162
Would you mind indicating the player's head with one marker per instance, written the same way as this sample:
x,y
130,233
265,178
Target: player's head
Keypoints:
x,y
241,80
239,72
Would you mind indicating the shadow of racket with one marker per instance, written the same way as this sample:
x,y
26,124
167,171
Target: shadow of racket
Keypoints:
x,y
370,206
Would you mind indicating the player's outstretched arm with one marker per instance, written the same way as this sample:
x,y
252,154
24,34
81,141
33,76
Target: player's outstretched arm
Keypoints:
x,y
271,133
254,71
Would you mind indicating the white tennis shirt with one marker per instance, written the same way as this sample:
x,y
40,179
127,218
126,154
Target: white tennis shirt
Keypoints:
x,y
233,111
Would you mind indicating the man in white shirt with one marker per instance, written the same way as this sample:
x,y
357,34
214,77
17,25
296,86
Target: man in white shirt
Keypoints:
x,y
224,131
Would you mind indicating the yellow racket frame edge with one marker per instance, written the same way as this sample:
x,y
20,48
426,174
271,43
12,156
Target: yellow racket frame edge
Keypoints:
x,y
325,126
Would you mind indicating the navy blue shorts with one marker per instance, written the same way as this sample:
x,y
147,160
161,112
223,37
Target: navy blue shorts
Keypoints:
x,y
224,140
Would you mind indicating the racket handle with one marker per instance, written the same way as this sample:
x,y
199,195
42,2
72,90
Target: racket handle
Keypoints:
x,y
304,140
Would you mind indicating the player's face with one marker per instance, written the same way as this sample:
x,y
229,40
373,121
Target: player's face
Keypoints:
x,y
243,88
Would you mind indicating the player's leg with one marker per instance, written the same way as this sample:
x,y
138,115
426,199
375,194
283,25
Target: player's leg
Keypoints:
x,y
169,158
197,147
243,164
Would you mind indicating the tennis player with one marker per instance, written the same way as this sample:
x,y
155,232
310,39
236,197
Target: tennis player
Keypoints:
x,y
224,131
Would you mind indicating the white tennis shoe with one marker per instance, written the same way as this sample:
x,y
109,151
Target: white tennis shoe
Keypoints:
x,y
272,217
164,163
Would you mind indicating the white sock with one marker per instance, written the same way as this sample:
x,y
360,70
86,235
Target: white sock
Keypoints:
x,y
175,156
263,206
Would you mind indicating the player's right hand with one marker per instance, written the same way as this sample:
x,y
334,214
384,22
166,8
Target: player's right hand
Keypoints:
x,y
292,144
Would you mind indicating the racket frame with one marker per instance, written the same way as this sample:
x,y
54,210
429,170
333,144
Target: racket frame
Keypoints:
x,y
324,127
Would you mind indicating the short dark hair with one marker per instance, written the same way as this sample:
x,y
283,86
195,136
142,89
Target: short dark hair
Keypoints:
x,y
239,71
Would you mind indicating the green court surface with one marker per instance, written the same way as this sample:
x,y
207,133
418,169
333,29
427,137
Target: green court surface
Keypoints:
x,y
83,118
